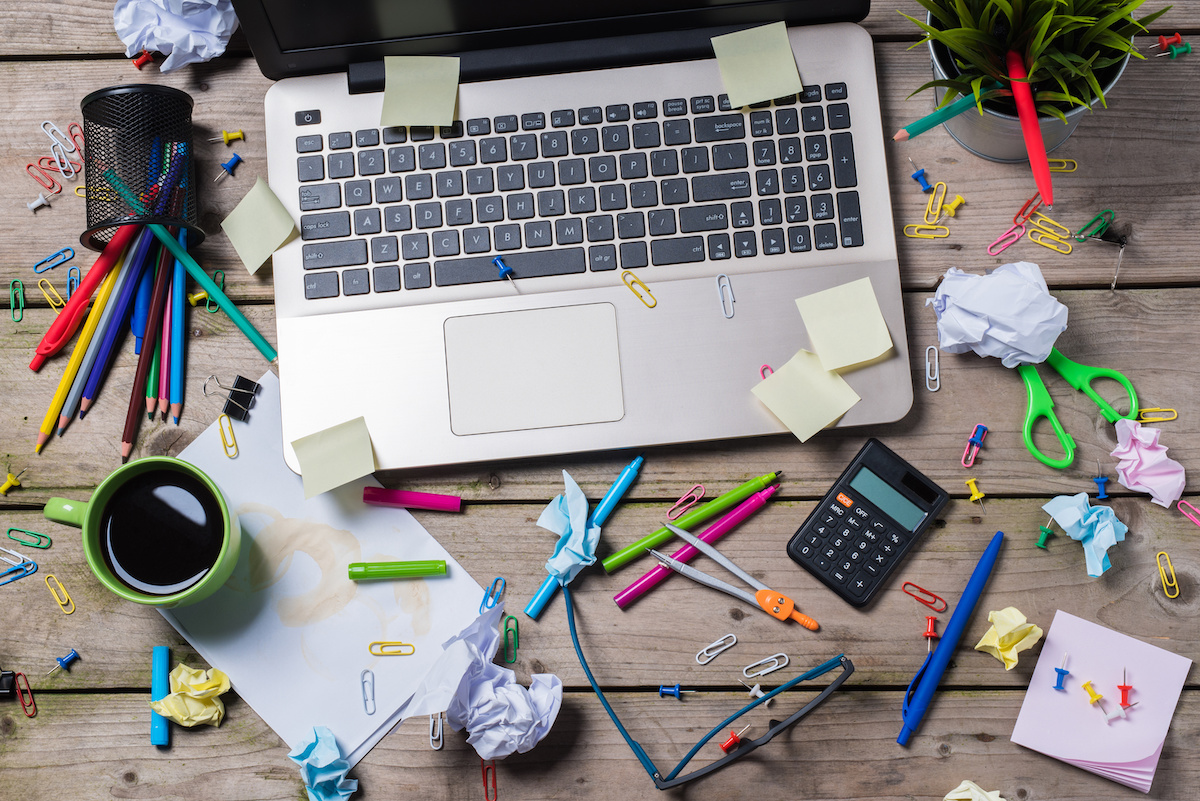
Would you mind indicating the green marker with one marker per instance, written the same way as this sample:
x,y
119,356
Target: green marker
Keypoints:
x,y
686,521
371,571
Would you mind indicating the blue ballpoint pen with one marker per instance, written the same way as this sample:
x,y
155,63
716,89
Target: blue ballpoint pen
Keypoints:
x,y
598,517
916,701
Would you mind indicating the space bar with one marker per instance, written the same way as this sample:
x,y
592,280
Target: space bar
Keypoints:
x,y
531,264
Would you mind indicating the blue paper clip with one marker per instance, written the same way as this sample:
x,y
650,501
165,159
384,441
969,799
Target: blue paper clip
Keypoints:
x,y
491,596
73,279
54,259
20,569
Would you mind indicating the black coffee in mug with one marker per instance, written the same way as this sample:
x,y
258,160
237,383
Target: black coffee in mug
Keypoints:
x,y
161,532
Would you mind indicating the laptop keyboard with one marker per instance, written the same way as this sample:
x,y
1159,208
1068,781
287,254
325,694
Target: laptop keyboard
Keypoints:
x,y
652,183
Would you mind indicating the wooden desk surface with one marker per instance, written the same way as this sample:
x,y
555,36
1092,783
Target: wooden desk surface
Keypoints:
x,y
1138,157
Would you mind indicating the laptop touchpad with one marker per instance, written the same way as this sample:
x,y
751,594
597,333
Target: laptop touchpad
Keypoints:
x,y
536,368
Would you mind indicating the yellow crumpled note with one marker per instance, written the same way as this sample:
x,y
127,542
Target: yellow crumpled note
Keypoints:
x,y
1009,634
193,698
970,791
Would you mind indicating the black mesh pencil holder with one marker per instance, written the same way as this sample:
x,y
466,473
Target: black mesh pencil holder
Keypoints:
x,y
138,161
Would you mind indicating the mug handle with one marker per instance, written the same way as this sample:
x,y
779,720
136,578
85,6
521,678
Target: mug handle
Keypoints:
x,y
67,511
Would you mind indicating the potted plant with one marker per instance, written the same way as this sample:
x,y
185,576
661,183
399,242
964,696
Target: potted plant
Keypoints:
x,y
1073,51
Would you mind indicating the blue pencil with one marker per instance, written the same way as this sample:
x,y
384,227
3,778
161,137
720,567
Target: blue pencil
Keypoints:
x,y
177,292
141,308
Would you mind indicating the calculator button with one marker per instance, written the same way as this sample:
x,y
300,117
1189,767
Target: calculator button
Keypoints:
x,y
870,536
846,565
830,520
859,587
887,549
840,576
821,563
877,526
821,530
829,553
854,522
813,540
878,560
894,539
837,510
807,551
856,555
839,542
871,569
846,532
844,500
861,513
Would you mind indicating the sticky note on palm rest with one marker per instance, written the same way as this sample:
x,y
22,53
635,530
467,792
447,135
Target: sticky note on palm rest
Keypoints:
x,y
845,324
336,456
805,396
757,64
419,90
258,225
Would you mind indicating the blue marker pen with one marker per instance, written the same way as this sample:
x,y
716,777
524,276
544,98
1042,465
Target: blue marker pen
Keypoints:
x,y
598,517
141,309
160,687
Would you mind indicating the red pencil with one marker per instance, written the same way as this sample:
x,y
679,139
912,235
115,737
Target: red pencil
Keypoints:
x,y
1032,131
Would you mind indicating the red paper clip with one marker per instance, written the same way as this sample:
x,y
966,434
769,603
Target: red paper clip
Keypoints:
x,y
925,596
75,132
1028,210
52,164
44,179
689,499
489,769
25,694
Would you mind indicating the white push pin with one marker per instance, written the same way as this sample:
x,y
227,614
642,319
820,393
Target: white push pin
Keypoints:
x,y
38,202
756,692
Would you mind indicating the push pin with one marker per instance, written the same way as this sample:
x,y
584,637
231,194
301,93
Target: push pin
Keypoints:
x,y
228,167
664,690
504,270
976,495
196,298
1062,672
11,481
65,661
953,206
974,443
142,59
756,692
1119,712
735,739
1093,696
1124,688
1047,533
930,635
1100,480
1175,51
919,176
228,136
38,202
1166,41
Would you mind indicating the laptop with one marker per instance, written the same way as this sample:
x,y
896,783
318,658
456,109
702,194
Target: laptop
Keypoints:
x,y
652,239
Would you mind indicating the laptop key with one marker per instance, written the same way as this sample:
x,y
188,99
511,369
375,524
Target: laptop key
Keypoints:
x,y
445,243
479,126
367,221
480,181
835,91
388,190
341,140
732,156
505,124
402,159
742,214
704,218
811,94
616,138
719,128
760,123
768,182
645,111
320,285
417,275
816,148
704,104
508,237
646,135
356,282
633,254
386,278
309,144
421,133
661,222
311,117
568,231
684,250
536,264
602,257
634,165
554,143
744,245
677,132
582,200
458,212
320,196
397,218
325,226
602,168
310,168
593,115
334,254
773,242
415,246
358,193
489,209
617,113
822,207
368,137
477,240
571,172
564,118
675,107
839,116
429,215
842,147
418,186
600,228
818,177
825,236
849,215
394,135
695,159
764,153
799,239
432,156
664,162
385,248
812,118
493,149
770,212
510,177
725,186
533,122
631,225
541,174
718,247
452,131
462,153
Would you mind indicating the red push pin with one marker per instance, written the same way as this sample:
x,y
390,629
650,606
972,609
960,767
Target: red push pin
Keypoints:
x,y
930,635
1165,42
145,57
1123,687
735,739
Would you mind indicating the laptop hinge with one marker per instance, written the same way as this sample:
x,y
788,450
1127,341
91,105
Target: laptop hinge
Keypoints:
x,y
365,76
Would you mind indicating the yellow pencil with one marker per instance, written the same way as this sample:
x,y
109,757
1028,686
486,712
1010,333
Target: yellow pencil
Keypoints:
x,y
85,336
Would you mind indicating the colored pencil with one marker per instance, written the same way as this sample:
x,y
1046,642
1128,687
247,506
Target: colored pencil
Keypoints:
x,y
164,338
178,294
944,113
152,379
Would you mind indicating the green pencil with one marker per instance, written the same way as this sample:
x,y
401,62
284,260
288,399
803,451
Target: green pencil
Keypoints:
x,y
941,115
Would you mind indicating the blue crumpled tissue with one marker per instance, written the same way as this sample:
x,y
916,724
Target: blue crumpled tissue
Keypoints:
x,y
323,768
185,31
1008,313
567,516
1095,527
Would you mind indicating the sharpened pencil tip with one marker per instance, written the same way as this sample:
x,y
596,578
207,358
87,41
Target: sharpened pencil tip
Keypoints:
x,y
900,135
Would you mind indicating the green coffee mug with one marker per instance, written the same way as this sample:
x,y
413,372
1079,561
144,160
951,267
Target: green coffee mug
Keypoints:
x,y
157,531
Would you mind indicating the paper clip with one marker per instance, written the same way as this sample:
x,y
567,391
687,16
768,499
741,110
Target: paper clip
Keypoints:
x,y
1142,417
51,295
26,568
925,596
19,559
919,231
228,440
974,443
1063,165
37,541
25,694
491,596
63,600
1052,227
96,193
60,162
239,398
489,772
933,380
1178,506
1167,583
379,648
57,137
933,206
1005,239
768,665
725,295
75,132
44,179
367,680
711,651
689,499
54,259
1096,226
435,732
1028,210
16,299
644,295
210,305
512,636
765,371
1049,240
73,279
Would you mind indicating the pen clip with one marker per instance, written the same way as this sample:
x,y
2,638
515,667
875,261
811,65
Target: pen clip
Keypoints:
x,y
912,685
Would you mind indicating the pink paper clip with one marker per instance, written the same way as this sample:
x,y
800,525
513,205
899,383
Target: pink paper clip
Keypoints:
x,y
1031,206
974,443
1187,514
689,499
765,371
925,596
1007,238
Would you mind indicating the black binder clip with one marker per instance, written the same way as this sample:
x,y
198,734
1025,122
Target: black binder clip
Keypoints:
x,y
8,684
238,399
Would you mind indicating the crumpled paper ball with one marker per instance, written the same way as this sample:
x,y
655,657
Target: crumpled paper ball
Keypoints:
x,y
193,699
185,31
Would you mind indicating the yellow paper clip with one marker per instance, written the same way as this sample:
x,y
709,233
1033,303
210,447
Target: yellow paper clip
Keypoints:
x,y
379,648
51,294
63,600
920,231
1052,227
633,282
933,207
16,299
228,440
1142,417
1063,165
103,194
1169,583
1049,240
1188,514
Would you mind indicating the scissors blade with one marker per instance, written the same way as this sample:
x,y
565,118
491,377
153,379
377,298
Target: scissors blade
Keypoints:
x,y
718,557
697,576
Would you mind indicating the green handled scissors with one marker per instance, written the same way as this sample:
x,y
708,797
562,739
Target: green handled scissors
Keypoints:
x,y
1040,405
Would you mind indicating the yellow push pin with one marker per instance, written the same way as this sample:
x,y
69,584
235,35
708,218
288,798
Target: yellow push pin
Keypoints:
x,y
196,298
11,481
953,206
976,495
1093,696
228,136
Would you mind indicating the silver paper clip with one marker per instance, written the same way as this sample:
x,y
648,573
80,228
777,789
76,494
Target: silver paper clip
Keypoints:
x,y
57,137
765,666
367,678
435,732
933,381
710,652
725,295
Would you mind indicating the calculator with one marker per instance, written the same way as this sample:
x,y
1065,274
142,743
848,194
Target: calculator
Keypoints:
x,y
867,522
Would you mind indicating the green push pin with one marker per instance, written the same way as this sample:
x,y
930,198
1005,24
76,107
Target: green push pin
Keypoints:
x,y
1177,50
1047,533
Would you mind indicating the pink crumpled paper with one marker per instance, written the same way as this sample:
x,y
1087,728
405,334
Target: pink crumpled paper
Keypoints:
x,y
1143,464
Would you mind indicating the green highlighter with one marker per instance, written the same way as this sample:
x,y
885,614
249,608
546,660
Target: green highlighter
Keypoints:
x,y
371,571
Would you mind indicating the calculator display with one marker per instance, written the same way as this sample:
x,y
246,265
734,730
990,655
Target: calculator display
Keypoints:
x,y
886,499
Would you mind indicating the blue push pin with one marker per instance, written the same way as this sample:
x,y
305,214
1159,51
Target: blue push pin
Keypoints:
x,y
228,167
675,691
919,176
65,661
1100,480
504,269
1062,674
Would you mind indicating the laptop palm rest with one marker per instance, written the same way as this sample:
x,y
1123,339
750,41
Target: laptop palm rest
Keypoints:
x,y
535,368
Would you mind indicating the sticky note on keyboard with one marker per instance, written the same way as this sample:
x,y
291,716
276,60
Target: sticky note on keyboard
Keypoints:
x,y
805,396
258,225
419,90
757,64
336,456
845,324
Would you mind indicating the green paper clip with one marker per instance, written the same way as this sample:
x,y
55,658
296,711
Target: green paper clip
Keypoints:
x,y
211,305
512,630
1098,225
37,541
16,299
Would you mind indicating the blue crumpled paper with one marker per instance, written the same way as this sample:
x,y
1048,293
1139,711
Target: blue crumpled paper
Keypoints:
x,y
1008,313
1095,527
567,516
1143,464
323,768
185,31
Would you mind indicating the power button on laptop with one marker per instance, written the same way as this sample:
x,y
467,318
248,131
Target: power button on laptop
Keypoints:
x,y
312,117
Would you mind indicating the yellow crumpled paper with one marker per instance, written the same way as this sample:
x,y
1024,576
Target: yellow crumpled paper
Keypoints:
x,y
970,791
1009,634
193,698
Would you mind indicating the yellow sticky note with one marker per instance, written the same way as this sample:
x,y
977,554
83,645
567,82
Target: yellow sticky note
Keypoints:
x,y
845,324
258,226
805,396
1010,634
757,64
336,456
419,90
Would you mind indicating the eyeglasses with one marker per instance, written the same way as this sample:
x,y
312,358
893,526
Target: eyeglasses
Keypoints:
x,y
744,747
